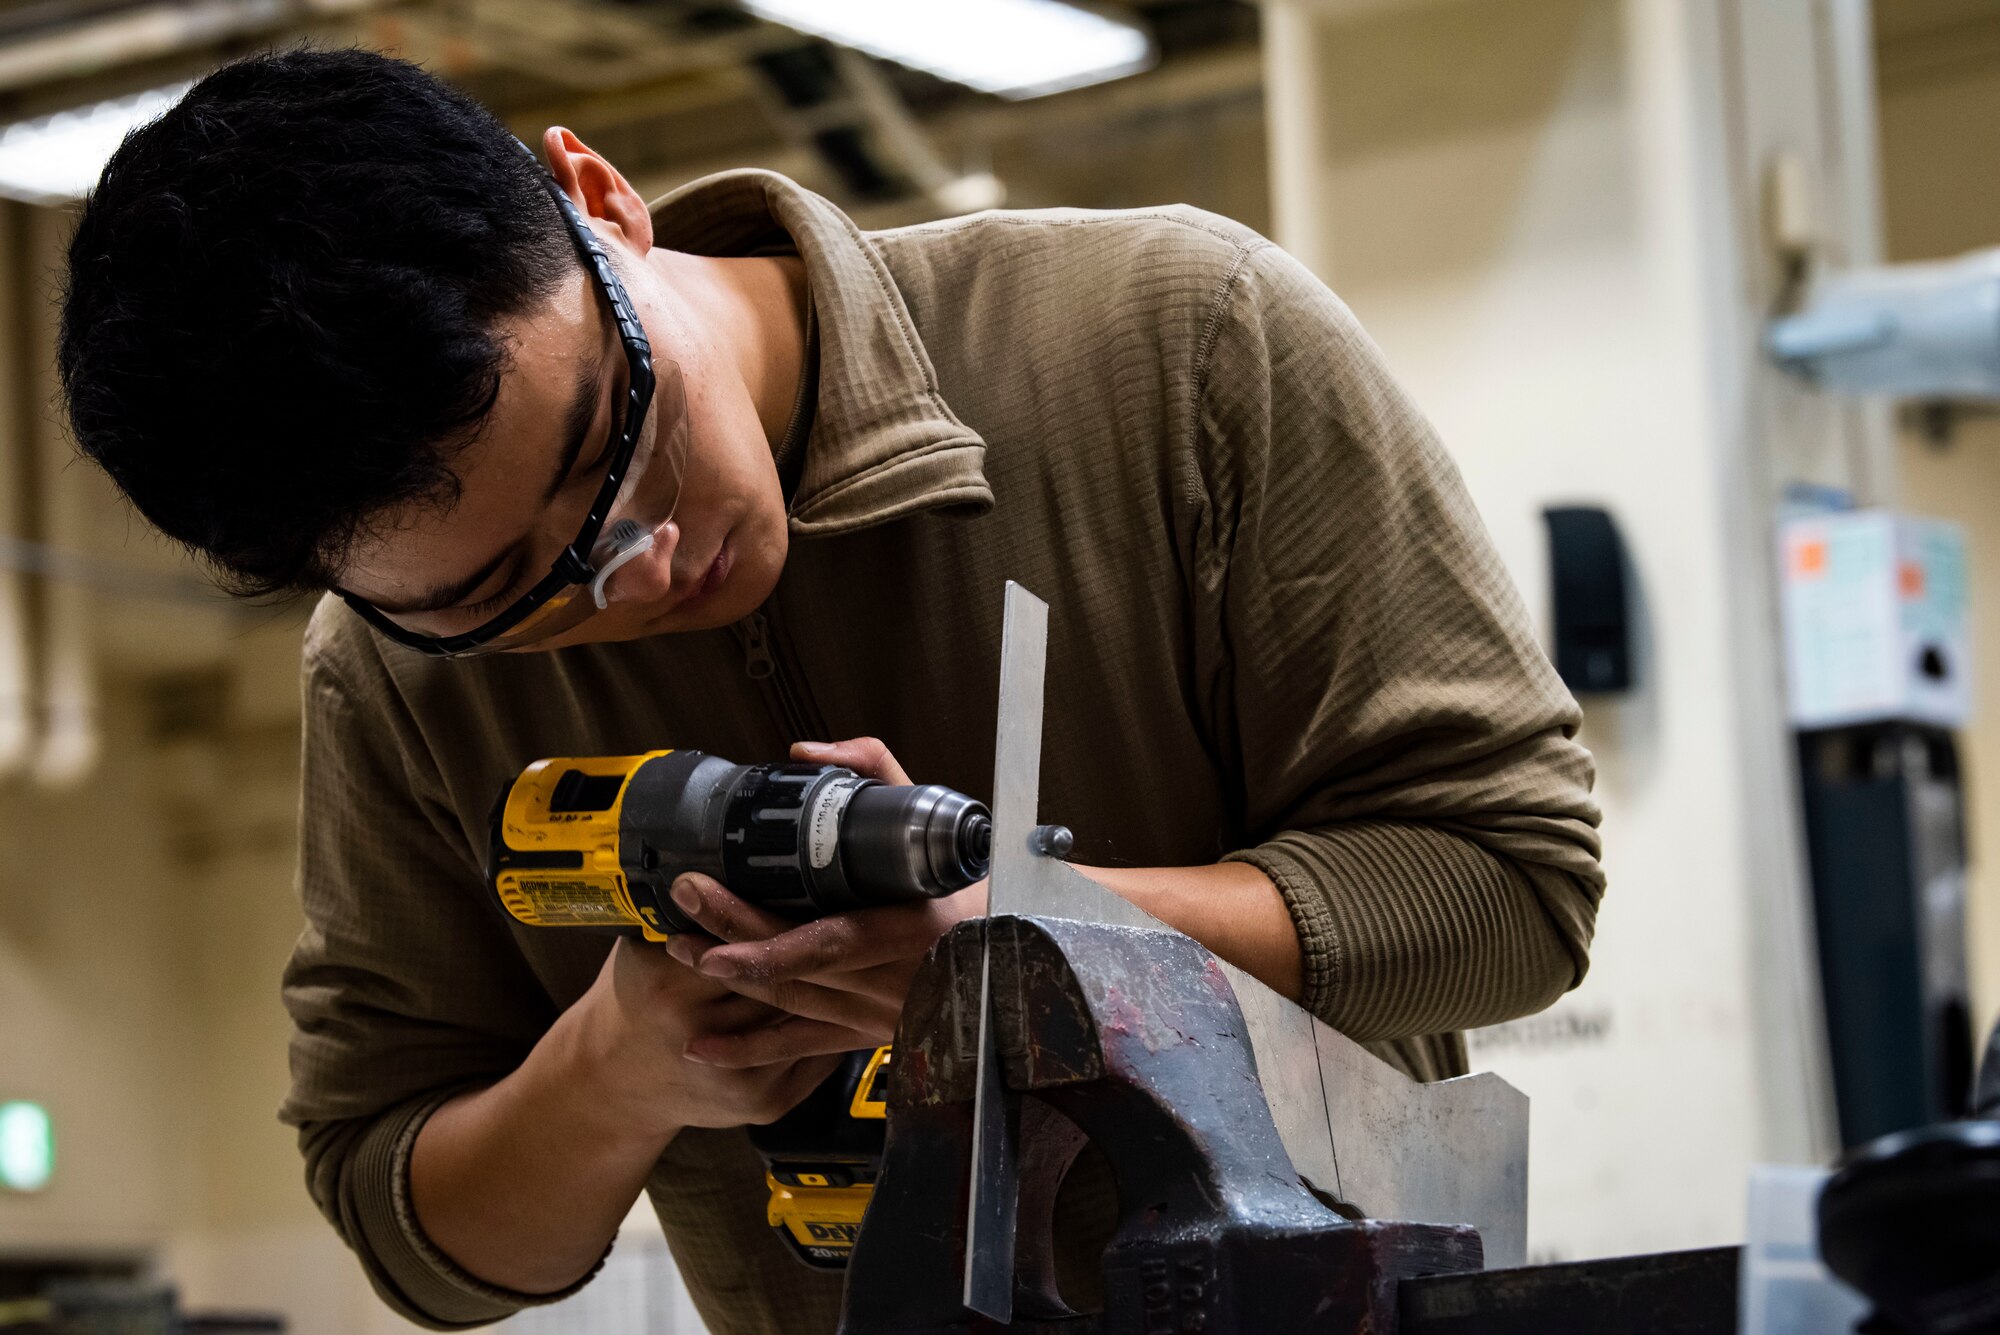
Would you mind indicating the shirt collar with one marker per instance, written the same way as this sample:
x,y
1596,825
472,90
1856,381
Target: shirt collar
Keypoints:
x,y
883,442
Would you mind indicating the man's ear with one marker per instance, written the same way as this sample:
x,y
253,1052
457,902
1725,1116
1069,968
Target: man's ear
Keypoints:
x,y
598,189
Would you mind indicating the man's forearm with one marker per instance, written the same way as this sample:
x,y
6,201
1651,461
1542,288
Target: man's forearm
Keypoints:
x,y
1231,908
525,1182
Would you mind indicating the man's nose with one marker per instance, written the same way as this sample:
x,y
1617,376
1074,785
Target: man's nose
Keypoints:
x,y
647,577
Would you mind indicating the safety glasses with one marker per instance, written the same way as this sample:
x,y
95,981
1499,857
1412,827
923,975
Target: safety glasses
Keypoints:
x,y
640,492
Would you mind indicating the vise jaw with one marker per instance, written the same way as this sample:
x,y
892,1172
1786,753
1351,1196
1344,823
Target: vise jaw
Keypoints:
x,y
1132,1038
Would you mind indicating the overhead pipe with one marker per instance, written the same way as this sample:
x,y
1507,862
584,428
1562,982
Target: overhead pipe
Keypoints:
x,y
132,36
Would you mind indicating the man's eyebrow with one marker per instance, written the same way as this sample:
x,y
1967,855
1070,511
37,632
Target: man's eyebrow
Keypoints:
x,y
582,411
449,595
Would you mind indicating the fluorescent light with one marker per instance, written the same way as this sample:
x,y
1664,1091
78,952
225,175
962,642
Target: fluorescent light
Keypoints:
x,y
1012,48
56,159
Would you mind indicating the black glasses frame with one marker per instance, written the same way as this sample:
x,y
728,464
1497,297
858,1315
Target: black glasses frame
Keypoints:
x,y
573,566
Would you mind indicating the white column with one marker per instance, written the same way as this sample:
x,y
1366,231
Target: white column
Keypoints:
x,y
1549,213
17,731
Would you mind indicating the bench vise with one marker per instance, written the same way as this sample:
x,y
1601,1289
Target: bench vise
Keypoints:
x,y
1132,1038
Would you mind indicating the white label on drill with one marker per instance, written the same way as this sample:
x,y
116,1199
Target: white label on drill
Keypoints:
x,y
823,821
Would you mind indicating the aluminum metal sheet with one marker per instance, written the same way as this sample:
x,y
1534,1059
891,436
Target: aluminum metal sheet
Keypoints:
x,y
993,1204
1448,1152
1017,747
993,1199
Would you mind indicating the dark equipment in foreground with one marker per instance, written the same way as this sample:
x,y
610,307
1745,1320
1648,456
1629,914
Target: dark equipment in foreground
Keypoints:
x,y
1913,1221
1132,1039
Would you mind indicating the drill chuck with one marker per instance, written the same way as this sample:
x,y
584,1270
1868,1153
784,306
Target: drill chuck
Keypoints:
x,y
599,841
922,841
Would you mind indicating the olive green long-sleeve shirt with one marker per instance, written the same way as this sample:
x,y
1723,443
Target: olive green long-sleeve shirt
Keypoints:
x,y
1278,633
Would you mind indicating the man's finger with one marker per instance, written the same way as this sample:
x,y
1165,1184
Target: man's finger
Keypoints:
x,y
721,914
734,1013
874,1011
843,943
787,1040
886,982
866,756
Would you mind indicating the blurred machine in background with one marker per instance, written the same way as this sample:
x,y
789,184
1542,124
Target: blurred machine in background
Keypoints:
x,y
1885,828
1909,330
1879,674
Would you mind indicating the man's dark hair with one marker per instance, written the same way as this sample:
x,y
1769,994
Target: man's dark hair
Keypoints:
x,y
279,318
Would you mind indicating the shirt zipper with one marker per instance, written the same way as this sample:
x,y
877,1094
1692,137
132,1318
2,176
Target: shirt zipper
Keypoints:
x,y
761,663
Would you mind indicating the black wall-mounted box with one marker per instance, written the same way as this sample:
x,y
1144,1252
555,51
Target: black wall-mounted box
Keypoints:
x,y
1593,630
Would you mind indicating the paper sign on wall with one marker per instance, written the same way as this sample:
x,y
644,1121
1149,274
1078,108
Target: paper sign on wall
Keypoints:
x,y
1875,613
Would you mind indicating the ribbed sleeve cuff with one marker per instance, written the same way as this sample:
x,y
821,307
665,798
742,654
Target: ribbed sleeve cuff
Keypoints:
x,y
1312,916
407,1268
1408,930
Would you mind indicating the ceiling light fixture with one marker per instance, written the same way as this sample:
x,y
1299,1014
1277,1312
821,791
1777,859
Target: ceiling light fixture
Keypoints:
x,y
1010,48
57,159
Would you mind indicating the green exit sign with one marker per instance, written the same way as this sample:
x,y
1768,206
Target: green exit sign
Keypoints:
x,y
27,1146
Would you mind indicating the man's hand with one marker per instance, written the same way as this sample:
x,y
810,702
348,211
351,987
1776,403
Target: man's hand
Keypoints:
x,y
523,1182
840,979
635,1030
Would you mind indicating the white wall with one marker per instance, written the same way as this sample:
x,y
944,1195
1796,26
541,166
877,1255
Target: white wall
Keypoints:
x,y
144,918
1546,213
93,1015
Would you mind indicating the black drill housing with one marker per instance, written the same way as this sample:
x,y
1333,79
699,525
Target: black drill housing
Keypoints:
x,y
801,841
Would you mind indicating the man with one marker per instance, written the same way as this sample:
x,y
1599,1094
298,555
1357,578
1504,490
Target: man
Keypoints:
x,y
586,477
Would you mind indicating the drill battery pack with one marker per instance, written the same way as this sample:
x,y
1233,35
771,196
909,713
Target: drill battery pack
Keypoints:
x,y
820,1160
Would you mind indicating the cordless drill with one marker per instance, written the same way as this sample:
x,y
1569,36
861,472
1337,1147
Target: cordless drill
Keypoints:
x,y
597,841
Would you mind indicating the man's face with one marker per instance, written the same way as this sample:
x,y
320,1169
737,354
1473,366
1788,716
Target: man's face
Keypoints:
x,y
529,476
